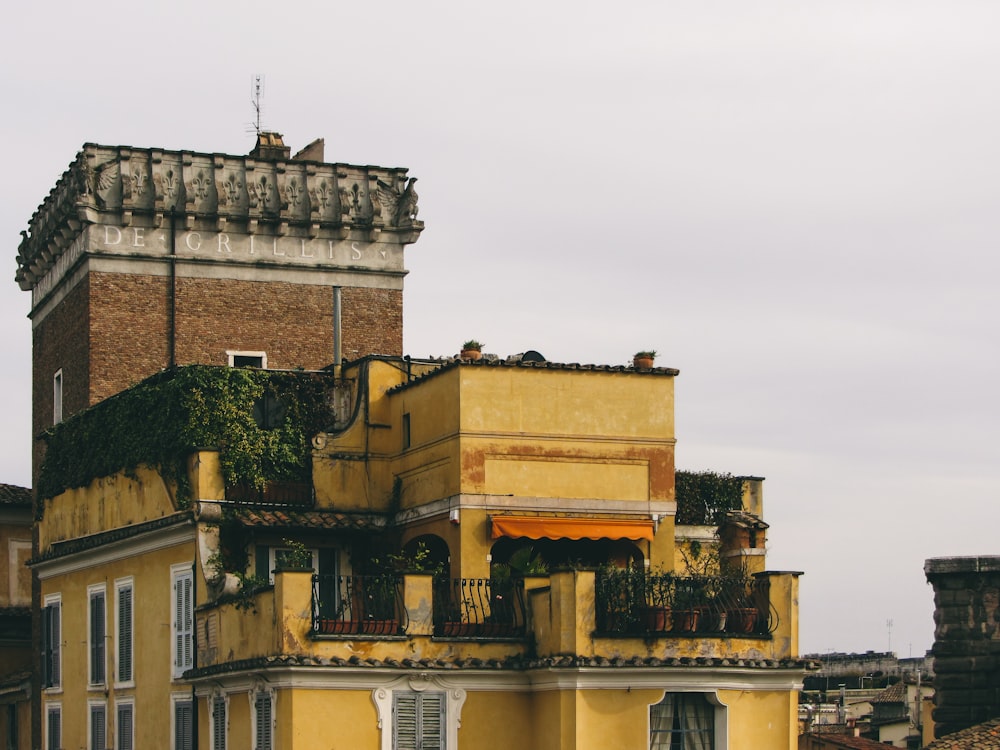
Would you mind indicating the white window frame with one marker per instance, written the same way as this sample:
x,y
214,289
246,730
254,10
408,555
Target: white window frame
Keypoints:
x,y
384,697
50,709
213,734
57,396
176,700
54,601
232,354
181,633
272,560
93,591
122,584
262,693
720,717
91,705
120,704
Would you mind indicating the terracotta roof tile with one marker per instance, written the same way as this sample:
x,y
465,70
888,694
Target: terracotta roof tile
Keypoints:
x,y
11,494
287,518
517,663
985,736
895,693
851,742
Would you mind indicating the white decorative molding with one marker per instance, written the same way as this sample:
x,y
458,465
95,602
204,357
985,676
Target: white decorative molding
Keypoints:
x,y
141,544
419,682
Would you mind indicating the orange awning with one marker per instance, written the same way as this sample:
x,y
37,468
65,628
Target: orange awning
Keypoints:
x,y
536,527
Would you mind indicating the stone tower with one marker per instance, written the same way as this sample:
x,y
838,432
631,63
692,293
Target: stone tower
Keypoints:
x,y
142,258
966,640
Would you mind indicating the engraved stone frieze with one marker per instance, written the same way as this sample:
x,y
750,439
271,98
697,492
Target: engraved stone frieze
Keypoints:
x,y
322,213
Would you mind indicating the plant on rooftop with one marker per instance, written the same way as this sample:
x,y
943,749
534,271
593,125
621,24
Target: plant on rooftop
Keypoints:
x,y
703,497
162,420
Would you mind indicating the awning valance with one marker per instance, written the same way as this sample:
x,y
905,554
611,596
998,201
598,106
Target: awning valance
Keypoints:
x,y
537,527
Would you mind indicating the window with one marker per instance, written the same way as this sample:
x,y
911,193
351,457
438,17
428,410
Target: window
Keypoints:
x,y
406,431
247,359
52,642
183,724
126,726
98,635
57,397
263,717
218,716
12,726
418,720
123,628
98,726
682,721
276,558
53,727
183,619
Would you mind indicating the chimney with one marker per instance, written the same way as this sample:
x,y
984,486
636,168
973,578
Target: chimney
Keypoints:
x,y
270,147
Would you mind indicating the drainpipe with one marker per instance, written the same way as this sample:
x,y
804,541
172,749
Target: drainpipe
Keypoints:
x,y
172,313
337,332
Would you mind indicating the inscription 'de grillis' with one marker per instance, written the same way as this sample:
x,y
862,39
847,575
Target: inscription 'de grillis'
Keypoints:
x,y
249,247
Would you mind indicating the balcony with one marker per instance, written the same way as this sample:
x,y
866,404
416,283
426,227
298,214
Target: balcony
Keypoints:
x,y
338,619
634,603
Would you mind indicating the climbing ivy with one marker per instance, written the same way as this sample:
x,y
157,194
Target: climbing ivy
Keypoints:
x,y
160,421
703,497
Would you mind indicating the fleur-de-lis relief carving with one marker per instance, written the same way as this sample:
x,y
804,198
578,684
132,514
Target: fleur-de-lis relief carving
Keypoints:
x,y
356,194
294,192
201,186
263,190
170,184
323,197
139,182
234,185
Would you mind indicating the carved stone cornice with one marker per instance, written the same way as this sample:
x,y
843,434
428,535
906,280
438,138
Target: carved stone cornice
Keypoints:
x,y
132,187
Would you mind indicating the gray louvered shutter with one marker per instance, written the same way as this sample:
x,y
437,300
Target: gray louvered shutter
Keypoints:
x,y
183,622
263,710
125,634
98,728
183,725
98,618
125,727
219,724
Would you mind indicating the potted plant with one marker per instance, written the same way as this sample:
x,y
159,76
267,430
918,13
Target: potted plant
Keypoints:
x,y
658,599
643,360
472,349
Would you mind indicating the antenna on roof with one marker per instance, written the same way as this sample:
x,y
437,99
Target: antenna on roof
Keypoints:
x,y
258,92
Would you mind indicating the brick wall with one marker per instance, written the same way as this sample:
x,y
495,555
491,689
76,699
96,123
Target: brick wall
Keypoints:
x,y
966,640
129,330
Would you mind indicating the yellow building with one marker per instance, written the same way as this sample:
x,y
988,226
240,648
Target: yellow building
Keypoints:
x,y
395,584
235,548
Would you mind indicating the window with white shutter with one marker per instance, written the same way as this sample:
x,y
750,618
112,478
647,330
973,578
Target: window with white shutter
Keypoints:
x,y
53,727
218,723
263,709
123,621
183,620
52,642
418,720
98,726
98,635
183,725
126,727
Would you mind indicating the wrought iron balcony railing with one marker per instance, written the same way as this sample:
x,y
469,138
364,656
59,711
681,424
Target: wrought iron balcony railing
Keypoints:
x,y
370,605
479,607
632,602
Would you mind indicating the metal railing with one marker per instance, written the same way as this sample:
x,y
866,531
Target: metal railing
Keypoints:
x,y
370,605
479,607
631,602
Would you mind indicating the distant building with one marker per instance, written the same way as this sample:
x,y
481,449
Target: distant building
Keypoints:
x,y
15,617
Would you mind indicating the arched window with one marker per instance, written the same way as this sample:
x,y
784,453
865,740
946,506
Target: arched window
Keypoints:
x,y
682,721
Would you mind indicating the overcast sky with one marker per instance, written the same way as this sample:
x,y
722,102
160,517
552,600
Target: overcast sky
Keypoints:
x,y
795,203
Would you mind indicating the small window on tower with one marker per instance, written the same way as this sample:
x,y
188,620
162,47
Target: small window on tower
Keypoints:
x,y
57,397
247,359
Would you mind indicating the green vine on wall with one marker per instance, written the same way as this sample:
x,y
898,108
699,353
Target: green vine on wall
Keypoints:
x,y
163,419
703,497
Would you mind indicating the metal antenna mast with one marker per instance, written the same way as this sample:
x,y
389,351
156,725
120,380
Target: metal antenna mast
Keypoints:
x,y
258,90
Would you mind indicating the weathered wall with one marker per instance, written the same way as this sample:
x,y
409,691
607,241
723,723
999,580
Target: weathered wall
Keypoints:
x,y
966,640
